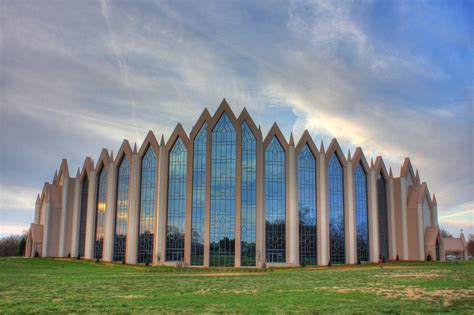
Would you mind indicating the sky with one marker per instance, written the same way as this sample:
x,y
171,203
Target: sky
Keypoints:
x,y
394,77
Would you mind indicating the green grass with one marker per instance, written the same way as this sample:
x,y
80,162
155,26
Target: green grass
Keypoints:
x,y
48,285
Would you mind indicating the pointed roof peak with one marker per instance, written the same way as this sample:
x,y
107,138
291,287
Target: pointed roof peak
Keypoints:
x,y
371,162
162,141
390,172
417,175
78,173
111,155
135,148
349,154
321,147
434,199
292,142
38,197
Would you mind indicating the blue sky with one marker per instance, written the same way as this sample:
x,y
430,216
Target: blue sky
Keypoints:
x,y
394,77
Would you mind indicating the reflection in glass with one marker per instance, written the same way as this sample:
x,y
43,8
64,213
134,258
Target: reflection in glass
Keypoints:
x,y
223,163
275,203
199,198
383,217
307,207
100,214
248,228
336,211
362,216
83,215
176,213
121,211
147,206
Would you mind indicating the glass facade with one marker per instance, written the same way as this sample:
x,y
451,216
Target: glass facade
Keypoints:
x,y
176,213
147,207
336,211
248,228
275,203
83,216
362,214
307,207
101,207
223,171
121,211
383,216
199,197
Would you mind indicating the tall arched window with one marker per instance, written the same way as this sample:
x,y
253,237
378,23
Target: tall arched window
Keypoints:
x,y
362,216
83,215
307,207
147,207
275,203
248,228
383,216
199,197
223,164
121,211
101,206
176,214
336,211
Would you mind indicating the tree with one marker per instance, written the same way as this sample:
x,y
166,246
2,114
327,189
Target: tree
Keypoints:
x,y
10,245
470,245
444,233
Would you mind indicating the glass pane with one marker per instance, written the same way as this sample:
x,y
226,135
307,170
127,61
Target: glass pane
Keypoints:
x,y
147,207
362,215
199,197
176,212
383,217
307,207
83,216
121,211
275,203
248,228
336,211
223,161
100,214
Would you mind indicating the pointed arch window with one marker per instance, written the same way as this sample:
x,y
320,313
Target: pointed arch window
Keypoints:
x,y
275,203
383,216
362,216
83,215
223,190
336,210
101,206
248,229
307,207
199,197
176,212
121,210
147,206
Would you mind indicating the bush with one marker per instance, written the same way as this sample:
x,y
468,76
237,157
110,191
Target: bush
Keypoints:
x,y
428,258
36,254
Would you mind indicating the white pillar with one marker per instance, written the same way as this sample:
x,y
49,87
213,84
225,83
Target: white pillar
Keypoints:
x,y
91,210
76,217
46,229
351,253
404,201
64,217
160,232
323,222
374,218
392,226
110,213
132,232
293,219
421,236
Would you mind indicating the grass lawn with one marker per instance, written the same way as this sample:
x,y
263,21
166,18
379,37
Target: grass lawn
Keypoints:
x,y
49,285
